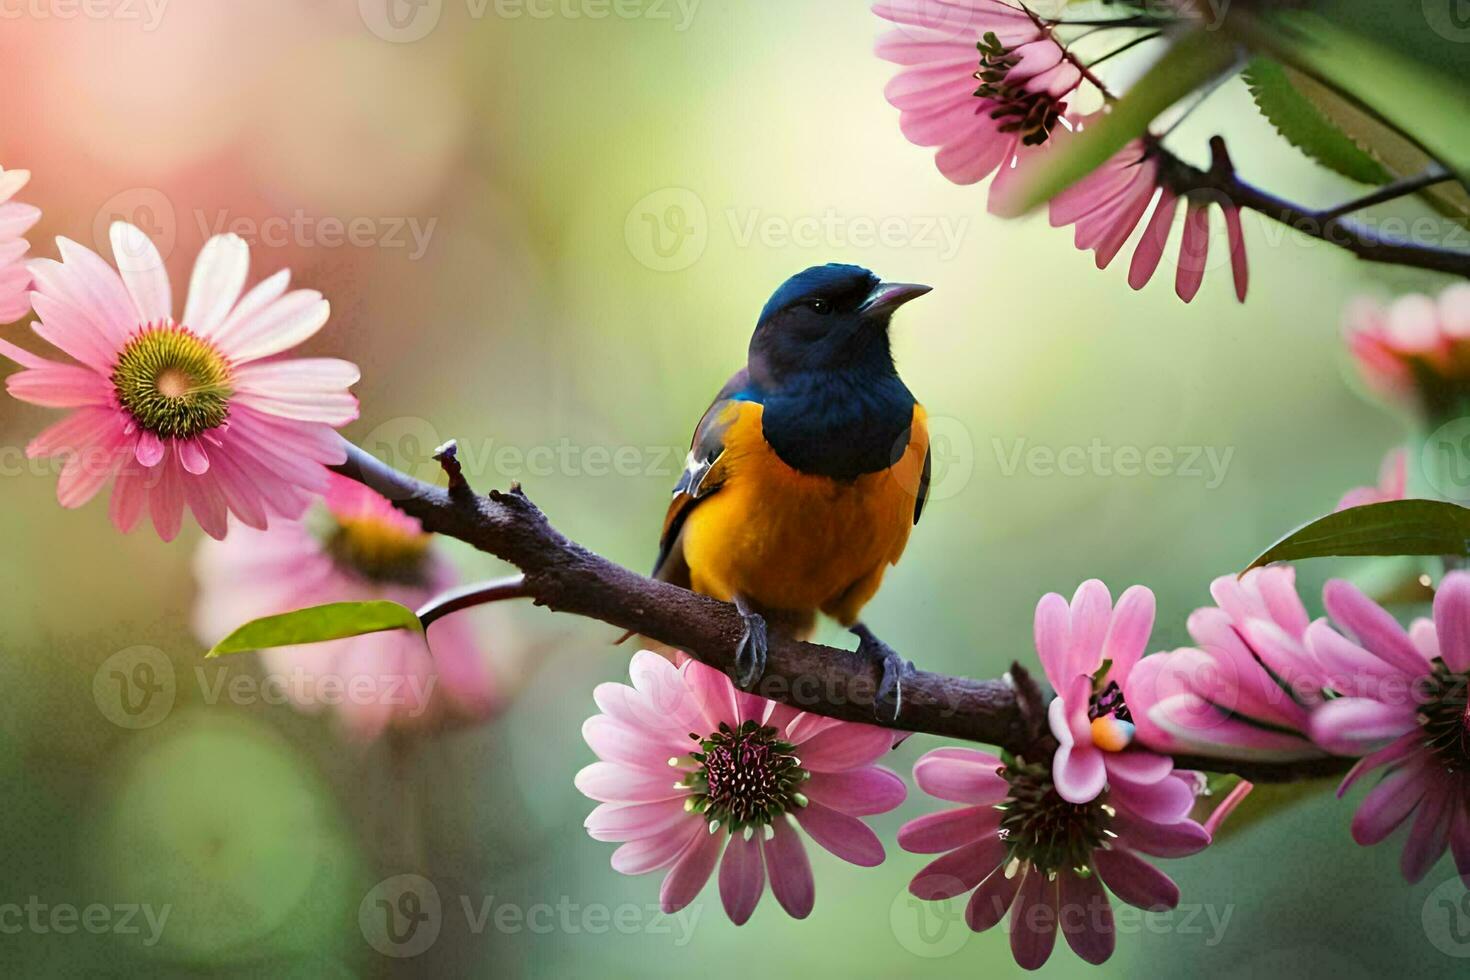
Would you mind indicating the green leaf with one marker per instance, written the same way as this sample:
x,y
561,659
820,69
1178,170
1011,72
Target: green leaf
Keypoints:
x,y
1410,95
1190,62
1394,527
1304,126
318,624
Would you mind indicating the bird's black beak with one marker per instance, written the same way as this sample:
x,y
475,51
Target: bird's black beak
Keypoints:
x,y
889,296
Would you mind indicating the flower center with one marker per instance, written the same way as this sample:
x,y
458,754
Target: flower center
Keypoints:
x,y
1031,114
1445,718
746,777
173,383
1044,830
378,550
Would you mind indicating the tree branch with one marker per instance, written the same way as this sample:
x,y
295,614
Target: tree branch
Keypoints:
x,y
1332,225
564,576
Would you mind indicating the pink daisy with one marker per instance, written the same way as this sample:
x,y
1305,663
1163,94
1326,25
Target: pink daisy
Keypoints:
x,y
695,773
1402,700
982,80
1018,846
199,413
1414,339
1107,205
15,220
1393,482
1246,689
358,548
1088,651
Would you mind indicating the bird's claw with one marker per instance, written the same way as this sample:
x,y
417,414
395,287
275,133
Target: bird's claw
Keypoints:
x,y
751,651
888,702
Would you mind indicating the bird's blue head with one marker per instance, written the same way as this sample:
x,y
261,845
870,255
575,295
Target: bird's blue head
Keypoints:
x,y
828,317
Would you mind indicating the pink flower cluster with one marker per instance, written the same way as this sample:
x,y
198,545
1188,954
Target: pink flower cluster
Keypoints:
x,y
1415,350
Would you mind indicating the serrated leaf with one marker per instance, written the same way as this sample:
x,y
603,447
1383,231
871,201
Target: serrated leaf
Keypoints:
x,y
1304,126
1189,63
1393,527
1409,96
318,624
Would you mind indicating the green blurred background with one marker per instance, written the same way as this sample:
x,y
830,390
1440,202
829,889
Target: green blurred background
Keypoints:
x,y
604,202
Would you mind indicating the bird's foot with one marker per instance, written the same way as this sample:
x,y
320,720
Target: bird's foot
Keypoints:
x,y
750,653
888,703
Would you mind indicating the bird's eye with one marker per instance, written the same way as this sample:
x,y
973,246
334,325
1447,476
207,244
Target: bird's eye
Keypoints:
x,y
820,306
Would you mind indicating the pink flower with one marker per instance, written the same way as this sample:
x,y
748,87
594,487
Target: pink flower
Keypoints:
x,y
1393,481
1402,700
359,548
1107,205
985,109
1246,689
1017,845
199,413
693,769
1415,338
15,220
1088,651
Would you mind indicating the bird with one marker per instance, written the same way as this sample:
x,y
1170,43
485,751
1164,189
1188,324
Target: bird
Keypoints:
x,y
807,473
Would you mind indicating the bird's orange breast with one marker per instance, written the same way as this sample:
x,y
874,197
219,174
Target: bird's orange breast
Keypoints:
x,y
793,541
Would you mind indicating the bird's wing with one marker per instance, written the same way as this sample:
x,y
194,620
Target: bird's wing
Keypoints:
x,y
703,475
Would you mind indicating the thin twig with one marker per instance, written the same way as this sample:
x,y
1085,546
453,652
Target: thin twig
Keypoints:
x,y
1436,174
564,576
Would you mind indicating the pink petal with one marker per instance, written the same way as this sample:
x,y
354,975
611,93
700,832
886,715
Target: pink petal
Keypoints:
x,y
859,792
1034,921
658,851
1128,631
1091,609
1079,773
635,821
1155,237
935,833
1374,626
846,746
609,783
958,871
284,324
310,389
150,449
1053,638
1352,726
742,878
1401,748
1086,917
193,456
166,499
96,287
614,741
1239,268
1194,250
1460,839
1138,766
1452,620
60,386
846,837
219,277
961,776
143,272
990,902
1430,833
1135,881
790,871
1172,840
713,692
1166,801
691,870
1388,805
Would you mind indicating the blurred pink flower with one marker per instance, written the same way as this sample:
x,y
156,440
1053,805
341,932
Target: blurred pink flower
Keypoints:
x,y
691,768
1414,339
15,220
1088,651
1019,846
361,548
1107,205
1402,700
1393,481
982,80
1246,689
200,412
